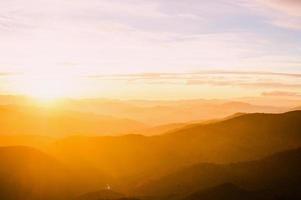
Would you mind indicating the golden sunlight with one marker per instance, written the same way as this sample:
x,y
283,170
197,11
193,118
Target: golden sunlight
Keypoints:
x,y
46,89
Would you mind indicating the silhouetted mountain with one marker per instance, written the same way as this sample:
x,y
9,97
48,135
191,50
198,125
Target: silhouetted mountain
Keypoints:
x,y
228,191
26,173
245,137
141,162
101,195
297,108
273,176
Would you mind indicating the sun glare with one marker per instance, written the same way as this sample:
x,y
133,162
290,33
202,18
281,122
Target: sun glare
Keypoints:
x,y
46,90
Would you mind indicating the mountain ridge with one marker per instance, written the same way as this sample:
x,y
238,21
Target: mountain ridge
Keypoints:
x,y
277,173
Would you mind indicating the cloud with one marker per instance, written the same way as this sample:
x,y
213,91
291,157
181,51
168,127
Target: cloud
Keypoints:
x,y
8,74
286,22
138,36
281,94
290,7
131,25
245,84
243,79
193,74
282,13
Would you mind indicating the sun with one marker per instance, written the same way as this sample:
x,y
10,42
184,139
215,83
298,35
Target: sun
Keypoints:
x,y
48,87
47,90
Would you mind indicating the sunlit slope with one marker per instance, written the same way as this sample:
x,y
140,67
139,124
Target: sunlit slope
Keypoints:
x,y
58,122
27,173
37,141
134,157
161,129
244,137
278,174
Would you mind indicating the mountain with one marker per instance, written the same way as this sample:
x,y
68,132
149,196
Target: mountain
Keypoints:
x,y
147,112
105,194
137,158
37,141
157,113
29,120
161,129
230,191
155,167
276,175
297,108
26,173
167,128
244,137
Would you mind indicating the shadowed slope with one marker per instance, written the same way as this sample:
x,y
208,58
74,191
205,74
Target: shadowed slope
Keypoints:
x,y
228,191
279,174
101,195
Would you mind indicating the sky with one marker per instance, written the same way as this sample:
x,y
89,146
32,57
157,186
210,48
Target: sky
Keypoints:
x,y
159,49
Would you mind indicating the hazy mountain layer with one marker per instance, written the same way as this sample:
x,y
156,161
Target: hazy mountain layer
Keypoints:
x,y
134,157
56,122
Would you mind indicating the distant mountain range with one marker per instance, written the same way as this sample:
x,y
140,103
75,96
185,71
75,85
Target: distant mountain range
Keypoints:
x,y
168,112
152,113
32,120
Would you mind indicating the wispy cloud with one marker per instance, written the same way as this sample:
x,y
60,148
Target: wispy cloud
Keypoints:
x,y
215,78
290,7
9,74
136,36
192,74
281,94
282,13
245,84
222,39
